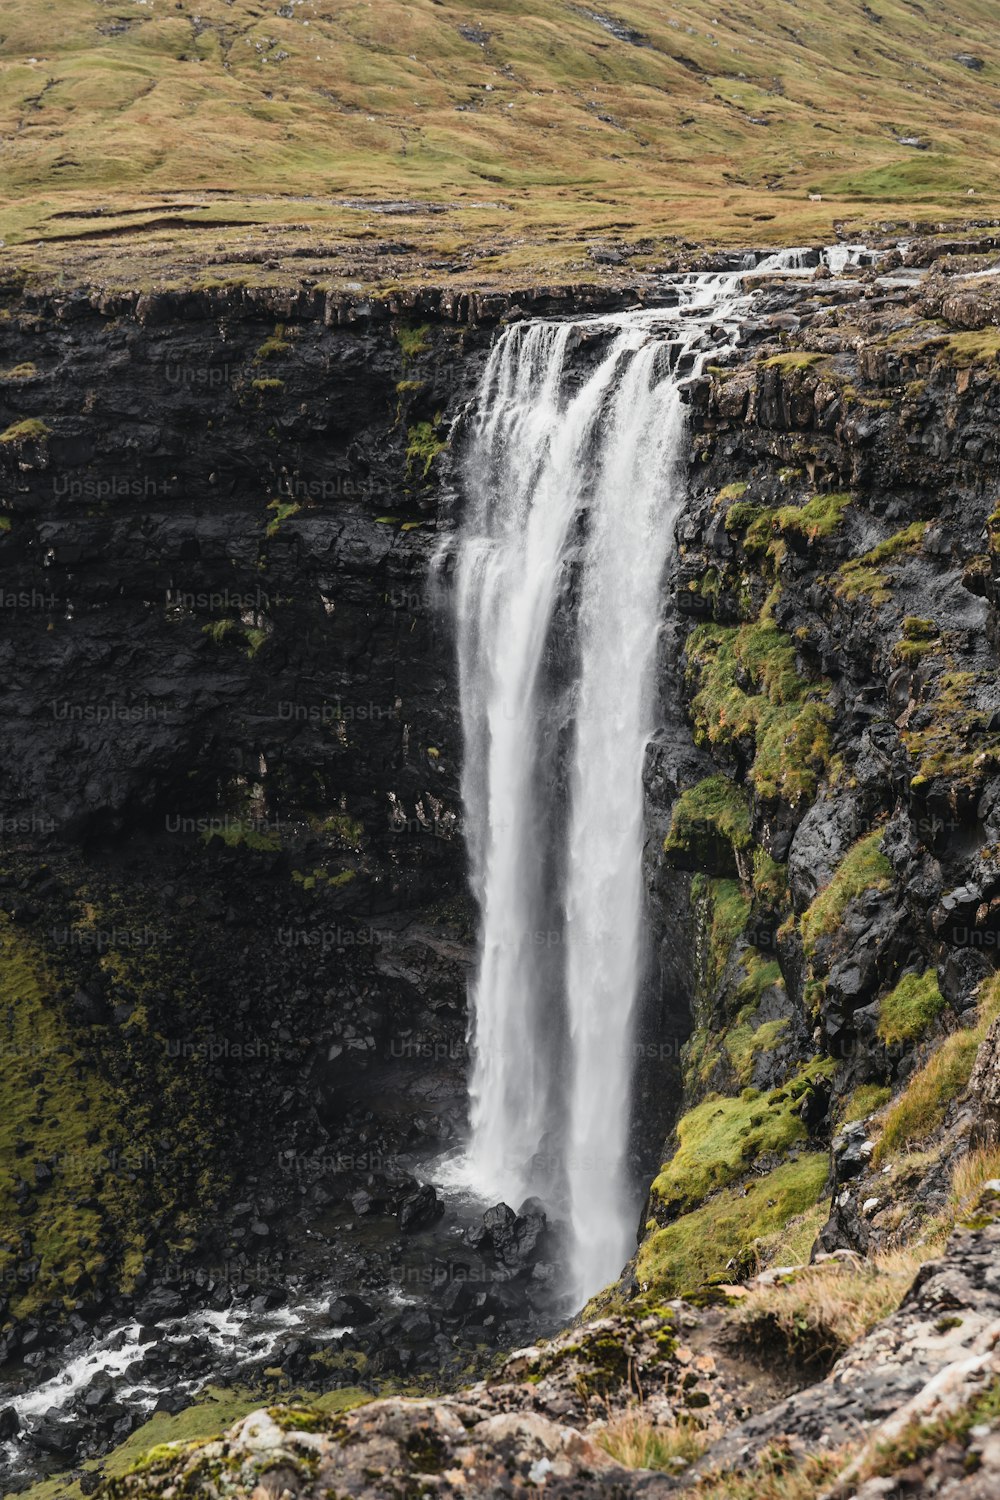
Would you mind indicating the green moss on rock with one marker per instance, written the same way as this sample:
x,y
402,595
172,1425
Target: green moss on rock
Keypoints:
x,y
818,518
64,1117
863,868
720,1138
710,826
724,910
412,338
422,449
864,576
921,1108
731,1233
31,430
748,693
910,1008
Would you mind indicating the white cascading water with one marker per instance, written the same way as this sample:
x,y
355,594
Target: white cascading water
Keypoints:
x,y
574,473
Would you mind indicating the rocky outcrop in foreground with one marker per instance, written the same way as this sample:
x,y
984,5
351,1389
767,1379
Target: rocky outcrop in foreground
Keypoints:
x,y
913,1409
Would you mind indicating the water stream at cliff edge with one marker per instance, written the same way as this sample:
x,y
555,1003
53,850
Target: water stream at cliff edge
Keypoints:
x,y
574,475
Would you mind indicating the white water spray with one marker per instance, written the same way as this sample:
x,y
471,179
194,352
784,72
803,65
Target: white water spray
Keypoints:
x,y
574,472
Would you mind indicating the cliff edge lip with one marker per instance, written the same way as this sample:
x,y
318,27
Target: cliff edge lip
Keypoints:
x,y
154,251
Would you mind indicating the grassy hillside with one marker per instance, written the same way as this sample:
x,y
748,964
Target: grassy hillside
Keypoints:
x,y
526,123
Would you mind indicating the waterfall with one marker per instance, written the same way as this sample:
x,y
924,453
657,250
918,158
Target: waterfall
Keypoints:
x,y
574,470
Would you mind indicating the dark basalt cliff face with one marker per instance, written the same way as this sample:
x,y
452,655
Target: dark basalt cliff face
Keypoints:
x,y
233,912
233,892
235,932
832,832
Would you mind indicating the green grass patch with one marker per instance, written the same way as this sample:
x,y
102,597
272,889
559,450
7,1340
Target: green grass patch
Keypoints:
x,y
345,828
413,339
738,1225
863,1101
218,630
744,1044
794,359
725,908
981,346
274,347
923,1104
216,1408
742,513
283,510
864,575
748,691
818,518
770,879
237,835
572,135
31,430
911,1008
55,1110
709,824
721,1137
255,636
863,868
918,637
423,447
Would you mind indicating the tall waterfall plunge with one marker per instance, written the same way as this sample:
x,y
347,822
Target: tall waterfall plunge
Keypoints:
x,y
574,476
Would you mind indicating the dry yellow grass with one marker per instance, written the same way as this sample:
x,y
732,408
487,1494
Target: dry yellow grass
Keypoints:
x,y
817,1313
779,1473
633,1440
535,127
970,1174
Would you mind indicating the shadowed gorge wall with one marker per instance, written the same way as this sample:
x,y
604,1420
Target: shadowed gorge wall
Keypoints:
x,y
235,927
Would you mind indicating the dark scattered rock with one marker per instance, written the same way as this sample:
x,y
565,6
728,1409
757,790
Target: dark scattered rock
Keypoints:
x,y
350,1310
420,1209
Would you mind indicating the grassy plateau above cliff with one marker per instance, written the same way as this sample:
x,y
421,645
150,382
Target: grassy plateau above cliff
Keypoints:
x,y
486,139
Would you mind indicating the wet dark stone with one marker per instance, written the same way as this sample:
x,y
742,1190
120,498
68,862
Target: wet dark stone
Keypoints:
x,y
350,1310
420,1209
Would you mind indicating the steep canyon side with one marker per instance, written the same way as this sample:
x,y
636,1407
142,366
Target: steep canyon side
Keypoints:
x,y
830,835
233,892
236,931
